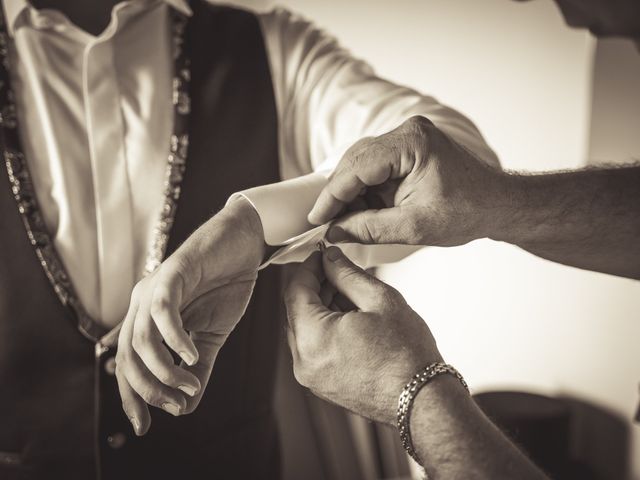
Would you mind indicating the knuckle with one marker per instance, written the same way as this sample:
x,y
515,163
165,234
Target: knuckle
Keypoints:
x,y
151,397
166,377
418,124
172,376
159,304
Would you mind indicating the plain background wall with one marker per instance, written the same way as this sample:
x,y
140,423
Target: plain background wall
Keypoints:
x,y
503,317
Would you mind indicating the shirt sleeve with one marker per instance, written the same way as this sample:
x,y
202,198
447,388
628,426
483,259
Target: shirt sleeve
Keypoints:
x,y
326,101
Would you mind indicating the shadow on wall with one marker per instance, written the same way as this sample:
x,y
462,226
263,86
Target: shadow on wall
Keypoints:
x,y
568,438
600,439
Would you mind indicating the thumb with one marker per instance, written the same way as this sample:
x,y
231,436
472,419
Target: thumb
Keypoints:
x,y
388,225
363,290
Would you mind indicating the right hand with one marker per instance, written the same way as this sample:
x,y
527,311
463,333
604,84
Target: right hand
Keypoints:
x,y
354,340
413,185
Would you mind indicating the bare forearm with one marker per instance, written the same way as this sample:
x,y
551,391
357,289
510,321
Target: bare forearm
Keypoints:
x,y
455,440
588,219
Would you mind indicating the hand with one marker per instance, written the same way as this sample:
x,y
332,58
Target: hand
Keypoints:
x,y
354,340
413,185
192,303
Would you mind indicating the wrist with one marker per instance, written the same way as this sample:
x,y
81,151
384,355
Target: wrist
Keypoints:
x,y
243,216
435,396
443,390
443,404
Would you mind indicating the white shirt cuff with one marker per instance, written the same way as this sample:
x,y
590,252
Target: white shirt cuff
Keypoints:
x,y
283,207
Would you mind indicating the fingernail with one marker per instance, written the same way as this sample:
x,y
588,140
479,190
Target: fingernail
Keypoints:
x,y
136,425
336,234
191,391
171,408
187,357
333,253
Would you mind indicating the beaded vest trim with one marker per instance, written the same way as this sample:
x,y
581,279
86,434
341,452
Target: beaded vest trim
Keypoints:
x,y
24,193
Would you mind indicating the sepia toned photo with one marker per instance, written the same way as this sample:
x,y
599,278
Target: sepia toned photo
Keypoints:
x,y
320,240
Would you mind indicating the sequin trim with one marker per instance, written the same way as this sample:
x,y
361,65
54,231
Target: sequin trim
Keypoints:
x,y
178,148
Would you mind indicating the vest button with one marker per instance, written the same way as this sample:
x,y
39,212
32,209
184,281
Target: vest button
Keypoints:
x,y
110,366
116,440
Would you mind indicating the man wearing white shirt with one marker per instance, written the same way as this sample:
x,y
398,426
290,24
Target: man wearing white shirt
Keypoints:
x,y
124,127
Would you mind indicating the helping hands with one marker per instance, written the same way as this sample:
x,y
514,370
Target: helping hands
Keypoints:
x,y
354,340
412,185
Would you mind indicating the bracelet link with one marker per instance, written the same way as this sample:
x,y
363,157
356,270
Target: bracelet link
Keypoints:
x,y
409,392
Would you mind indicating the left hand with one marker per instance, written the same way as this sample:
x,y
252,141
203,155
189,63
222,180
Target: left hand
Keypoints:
x,y
354,340
413,185
191,303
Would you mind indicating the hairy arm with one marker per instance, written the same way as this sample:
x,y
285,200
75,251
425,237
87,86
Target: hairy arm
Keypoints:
x,y
435,191
587,218
454,439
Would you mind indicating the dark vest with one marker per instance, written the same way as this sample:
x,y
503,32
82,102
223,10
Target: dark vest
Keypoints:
x,y
60,411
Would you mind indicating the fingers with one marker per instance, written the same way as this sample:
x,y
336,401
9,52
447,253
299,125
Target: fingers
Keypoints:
x,y
134,407
209,344
143,382
365,291
137,385
306,312
161,321
147,343
388,225
341,190
165,311
302,294
211,318
371,163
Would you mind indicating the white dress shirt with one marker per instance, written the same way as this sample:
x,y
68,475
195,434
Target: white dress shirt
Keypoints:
x,y
96,116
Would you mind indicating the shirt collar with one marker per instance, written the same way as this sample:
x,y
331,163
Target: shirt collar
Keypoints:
x,y
14,8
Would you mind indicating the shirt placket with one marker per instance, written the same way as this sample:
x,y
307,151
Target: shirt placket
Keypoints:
x,y
111,183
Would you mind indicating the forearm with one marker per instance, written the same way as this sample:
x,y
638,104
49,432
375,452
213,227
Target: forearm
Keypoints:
x,y
587,219
455,440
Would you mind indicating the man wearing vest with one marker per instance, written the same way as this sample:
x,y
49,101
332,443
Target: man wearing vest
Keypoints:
x,y
124,127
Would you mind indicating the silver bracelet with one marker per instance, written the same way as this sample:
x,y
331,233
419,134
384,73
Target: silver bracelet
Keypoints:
x,y
409,392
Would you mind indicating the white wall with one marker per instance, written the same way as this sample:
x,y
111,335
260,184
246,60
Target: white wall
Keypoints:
x,y
503,317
